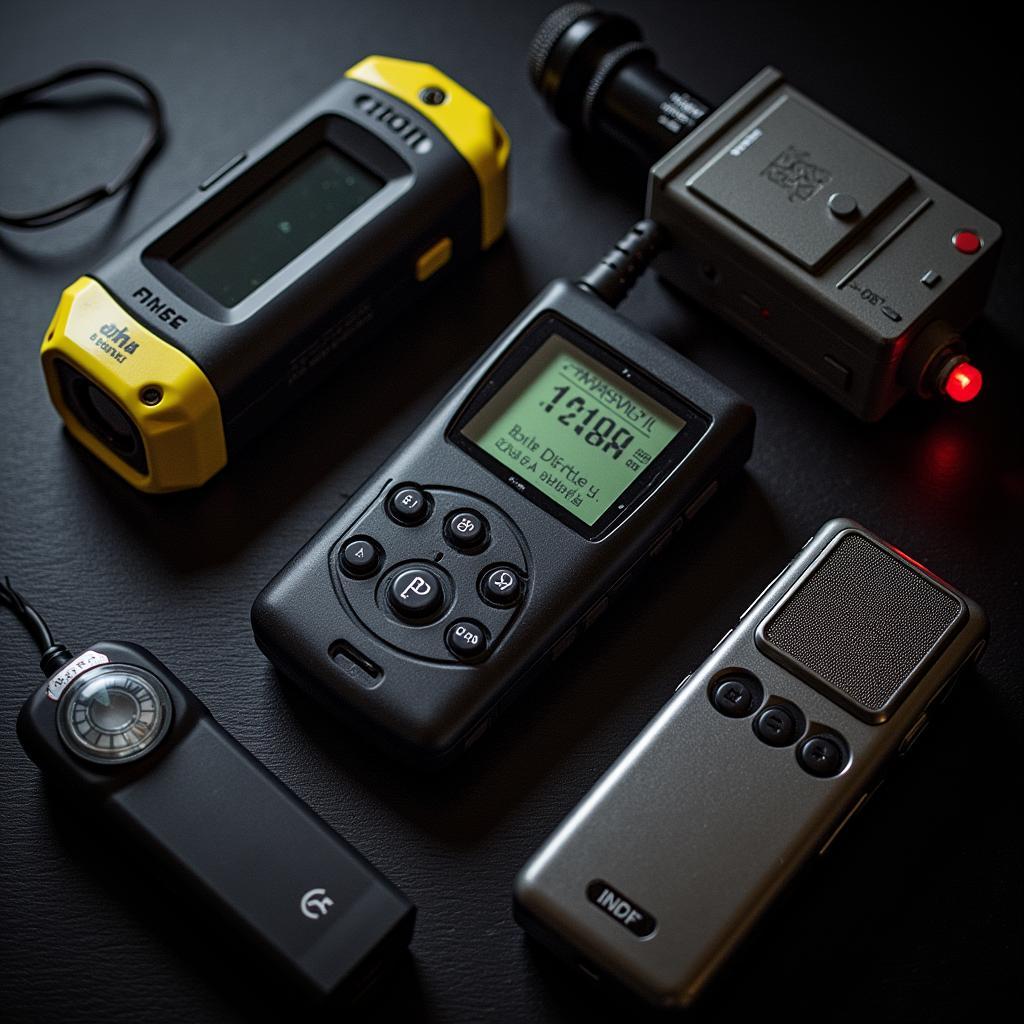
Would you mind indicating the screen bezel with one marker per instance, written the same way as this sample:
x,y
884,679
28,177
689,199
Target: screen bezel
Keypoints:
x,y
351,140
696,422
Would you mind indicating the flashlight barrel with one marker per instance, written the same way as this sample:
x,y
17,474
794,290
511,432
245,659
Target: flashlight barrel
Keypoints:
x,y
646,111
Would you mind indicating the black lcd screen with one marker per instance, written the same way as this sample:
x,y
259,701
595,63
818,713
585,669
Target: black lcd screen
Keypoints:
x,y
276,224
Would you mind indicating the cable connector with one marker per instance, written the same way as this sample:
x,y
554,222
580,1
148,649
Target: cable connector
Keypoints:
x,y
613,277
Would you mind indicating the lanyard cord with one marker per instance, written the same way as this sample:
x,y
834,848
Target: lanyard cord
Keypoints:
x,y
28,95
54,655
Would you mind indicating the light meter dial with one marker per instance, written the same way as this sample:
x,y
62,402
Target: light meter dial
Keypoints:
x,y
114,714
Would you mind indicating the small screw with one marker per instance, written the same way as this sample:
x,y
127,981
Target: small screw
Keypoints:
x,y
151,395
433,96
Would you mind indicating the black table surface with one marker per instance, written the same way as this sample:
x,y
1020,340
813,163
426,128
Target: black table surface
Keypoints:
x,y
915,914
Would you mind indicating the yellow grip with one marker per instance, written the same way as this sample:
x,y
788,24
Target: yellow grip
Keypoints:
x,y
468,124
181,431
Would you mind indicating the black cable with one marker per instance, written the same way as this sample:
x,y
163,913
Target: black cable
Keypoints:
x,y
27,95
54,655
615,274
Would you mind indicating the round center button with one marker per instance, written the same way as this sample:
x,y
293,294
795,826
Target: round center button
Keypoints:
x,y
415,594
501,586
466,529
409,505
776,726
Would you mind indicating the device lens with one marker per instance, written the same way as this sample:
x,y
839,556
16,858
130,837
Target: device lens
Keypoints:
x,y
102,416
600,79
115,427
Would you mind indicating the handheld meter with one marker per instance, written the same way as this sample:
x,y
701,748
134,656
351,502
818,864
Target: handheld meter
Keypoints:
x,y
189,341
840,259
763,755
116,730
574,448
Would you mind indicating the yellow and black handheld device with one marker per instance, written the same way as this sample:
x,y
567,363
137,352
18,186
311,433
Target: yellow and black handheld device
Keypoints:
x,y
190,340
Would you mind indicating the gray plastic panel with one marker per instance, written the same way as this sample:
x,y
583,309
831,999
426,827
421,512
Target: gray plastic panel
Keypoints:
x,y
778,176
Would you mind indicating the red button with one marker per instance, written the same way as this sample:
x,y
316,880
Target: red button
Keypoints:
x,y
966,242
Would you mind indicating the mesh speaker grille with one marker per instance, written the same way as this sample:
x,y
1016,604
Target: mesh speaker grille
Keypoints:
x,y
862,623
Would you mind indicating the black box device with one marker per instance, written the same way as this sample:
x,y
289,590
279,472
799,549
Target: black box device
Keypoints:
x,y
841,259
115,728
752,768
574,448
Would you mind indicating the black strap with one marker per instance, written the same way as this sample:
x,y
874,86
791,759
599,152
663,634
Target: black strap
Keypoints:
x,y
26,96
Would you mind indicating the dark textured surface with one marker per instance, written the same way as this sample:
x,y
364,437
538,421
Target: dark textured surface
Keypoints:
x,y
915,915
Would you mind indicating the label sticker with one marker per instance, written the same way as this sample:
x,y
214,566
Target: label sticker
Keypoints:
x,y
616,906
59,682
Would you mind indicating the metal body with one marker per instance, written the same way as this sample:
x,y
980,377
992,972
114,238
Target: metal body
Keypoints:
x,y
336,636
659,872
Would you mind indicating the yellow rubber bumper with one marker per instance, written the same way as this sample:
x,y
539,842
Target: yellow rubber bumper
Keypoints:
x,y
162,391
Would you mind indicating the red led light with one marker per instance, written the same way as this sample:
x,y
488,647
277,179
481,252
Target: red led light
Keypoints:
x,y
963,383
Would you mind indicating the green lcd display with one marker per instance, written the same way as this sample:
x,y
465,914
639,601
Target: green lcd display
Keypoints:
x,y
274,226
569,426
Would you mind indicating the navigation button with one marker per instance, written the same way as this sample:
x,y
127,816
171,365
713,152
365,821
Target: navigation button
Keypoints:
x,y
409,505
360,558
466,530
501,586
466,640
415,594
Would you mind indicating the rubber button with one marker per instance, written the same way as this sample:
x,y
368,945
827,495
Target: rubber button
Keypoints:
x,y
466,640
409,505
360,558
776,726
415,594
433,259
842,205
967,242
466,529
734,698
821,756
501,586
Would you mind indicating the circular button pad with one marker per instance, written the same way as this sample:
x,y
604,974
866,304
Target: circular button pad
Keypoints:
x,y
425,594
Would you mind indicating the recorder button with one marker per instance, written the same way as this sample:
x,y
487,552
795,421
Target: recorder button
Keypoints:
x,y
501,586
734,697
409,505
360,558
466,640
776,726
415,594
821,756
466,530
